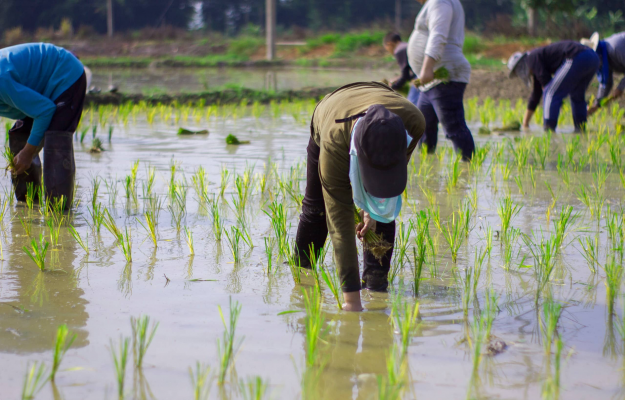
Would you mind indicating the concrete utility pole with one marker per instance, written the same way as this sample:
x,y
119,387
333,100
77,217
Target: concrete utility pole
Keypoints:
x,y
109,18
270,28
397,16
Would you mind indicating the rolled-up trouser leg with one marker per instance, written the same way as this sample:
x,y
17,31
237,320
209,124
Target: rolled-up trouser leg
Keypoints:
x,y
312,228
59,168
375,273
18,136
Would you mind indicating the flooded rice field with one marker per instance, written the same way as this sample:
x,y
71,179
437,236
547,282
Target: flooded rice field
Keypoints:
x,y
177,80
506,278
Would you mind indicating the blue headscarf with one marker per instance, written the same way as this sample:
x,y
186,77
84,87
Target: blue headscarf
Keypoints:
x,y
604,71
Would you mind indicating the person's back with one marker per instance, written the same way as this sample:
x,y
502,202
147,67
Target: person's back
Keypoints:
x,y
443,21
616,51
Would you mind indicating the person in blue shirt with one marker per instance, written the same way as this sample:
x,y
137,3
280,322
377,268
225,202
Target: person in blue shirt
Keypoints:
x,y
43,87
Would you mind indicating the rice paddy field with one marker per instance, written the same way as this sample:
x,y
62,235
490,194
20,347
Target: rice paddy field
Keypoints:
x,y
172,275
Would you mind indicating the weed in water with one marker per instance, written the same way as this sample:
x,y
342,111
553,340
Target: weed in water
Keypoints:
x,y
37,252
120,360
142,335
201,381
35,379
229,345
64,340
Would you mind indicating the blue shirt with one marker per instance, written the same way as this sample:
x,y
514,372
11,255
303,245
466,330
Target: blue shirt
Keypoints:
x,y
32,77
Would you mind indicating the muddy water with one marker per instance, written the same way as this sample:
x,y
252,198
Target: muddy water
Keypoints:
x,y
176,80
97,294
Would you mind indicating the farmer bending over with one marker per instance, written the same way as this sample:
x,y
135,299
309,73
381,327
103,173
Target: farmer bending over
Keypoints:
x,y
611,52
394,45
554,72
362,136
43,87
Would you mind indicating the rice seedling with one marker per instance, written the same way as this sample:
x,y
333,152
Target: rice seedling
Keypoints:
x,y
150,226
120,360
200,183
453,173
234,242
508,247
189,239
313,328
217,220
124,242
551,315
31,195
507,210
566,219
27,224
109,223
292,259
225,176
148,186
481,328
112,188
277,214
229,345
542,147
37,252
402,239
419,251
391,386
178,210
35,379
613,277
590,251
254,388
142,335
201,381
404,317
453,232
55,230
544,254
64,340
82,243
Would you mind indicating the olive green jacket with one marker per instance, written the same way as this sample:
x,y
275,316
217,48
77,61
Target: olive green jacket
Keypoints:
x,y
334,141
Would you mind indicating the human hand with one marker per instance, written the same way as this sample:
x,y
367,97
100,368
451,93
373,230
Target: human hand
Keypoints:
x,y
367,224
592,109
617,93
426,76
23,159
352,301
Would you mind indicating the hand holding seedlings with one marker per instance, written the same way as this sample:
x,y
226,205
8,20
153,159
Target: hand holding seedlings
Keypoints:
x,y
366,224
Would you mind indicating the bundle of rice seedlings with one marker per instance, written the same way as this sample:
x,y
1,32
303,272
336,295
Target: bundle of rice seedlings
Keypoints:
x,y
185,131
231,139
96,146
512,126
442,74
373,242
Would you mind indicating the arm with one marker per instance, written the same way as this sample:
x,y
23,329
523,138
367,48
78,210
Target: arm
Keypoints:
x,y
532,103
439,22
527,118
406,75
337,195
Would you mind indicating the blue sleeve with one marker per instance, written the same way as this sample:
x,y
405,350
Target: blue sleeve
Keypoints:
x,y
38,107
604,74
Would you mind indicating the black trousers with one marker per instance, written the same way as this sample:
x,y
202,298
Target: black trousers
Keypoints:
x,y
313,230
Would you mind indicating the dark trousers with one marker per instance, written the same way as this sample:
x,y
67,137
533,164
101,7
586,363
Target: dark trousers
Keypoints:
x,y
571,79
443,103
313,230
69,106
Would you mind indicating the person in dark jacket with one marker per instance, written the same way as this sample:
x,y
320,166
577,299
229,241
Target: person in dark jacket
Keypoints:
x,y
611,52
394,45
554,72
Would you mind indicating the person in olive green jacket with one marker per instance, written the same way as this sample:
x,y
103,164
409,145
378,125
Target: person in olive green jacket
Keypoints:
x,y
362,136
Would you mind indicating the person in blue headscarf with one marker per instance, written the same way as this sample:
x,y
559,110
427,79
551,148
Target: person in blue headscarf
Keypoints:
x,y
611,52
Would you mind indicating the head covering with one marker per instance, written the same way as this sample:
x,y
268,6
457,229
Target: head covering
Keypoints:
x,y
593,42
380,141
517,64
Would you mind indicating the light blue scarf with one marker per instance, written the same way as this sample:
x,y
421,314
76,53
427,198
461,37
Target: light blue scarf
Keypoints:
x,y
381,210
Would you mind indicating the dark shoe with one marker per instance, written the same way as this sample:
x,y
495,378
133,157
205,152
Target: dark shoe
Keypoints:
x,y
59,167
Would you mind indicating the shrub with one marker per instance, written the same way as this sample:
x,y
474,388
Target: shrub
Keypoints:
x,y
244,45
14,35
472,44
354,41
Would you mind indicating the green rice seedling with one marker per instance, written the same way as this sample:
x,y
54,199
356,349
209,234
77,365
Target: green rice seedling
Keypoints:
x,y
508,247
94,130
332,279
269,244
110,135
134,170
292,259
419,251
542,147
120,360
544,254
590,251
142,335
4,202
217,220
599,176
35,379
95,187
201,381
521,151
31,195
228,347
507,210
481,328
97,217
189,239
551,315
506,170
83,134
234,242
404,317
532,176
9,157
316,264
277,213
55,230
82,243
150,226
391,386
148,186
564,222
37,252
402,239
613,277
313,327
254,388
200,183
124,242
109,223
112,188
177,210
435,215
64,340
519,182
27,224
453,233
453,173
225,176
464,215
